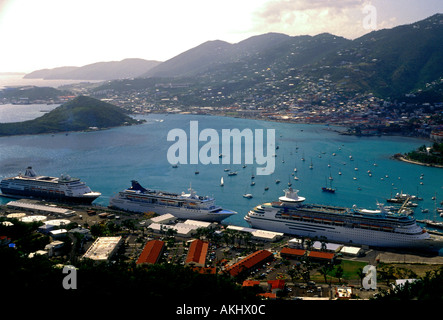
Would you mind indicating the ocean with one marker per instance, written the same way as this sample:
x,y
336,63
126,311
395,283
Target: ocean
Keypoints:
x,y
16,79
108,160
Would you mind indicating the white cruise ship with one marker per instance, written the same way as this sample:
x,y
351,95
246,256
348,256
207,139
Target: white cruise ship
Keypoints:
x,y
183,206
64,188
377,228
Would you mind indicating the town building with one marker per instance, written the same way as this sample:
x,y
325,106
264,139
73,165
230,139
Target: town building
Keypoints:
x,y
151,252
103,248
252,260
197,253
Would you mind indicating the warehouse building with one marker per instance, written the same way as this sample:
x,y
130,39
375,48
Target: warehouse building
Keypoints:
x,y
258,234
197,253
151,252
103,248
43,209
252,260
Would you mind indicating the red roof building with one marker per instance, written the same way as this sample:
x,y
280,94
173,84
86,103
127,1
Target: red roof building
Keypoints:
x,y
197,253
151,252
292,253
322,256
276,284
250,261
250,283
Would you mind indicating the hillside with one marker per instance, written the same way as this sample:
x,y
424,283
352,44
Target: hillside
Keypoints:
x,y
32,93
214,57
79,114
388,62
127,68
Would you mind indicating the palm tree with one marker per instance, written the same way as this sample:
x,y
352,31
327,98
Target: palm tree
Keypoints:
x,y
361,275
325,269
339,272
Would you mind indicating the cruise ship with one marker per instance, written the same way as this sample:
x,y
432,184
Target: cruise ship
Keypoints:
x,y
377,228
183,206
64,188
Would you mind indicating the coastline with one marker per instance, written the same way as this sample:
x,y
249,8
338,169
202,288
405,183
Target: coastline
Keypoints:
x,y
400,157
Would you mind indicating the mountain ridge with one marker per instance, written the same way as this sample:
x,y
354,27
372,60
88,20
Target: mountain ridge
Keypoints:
x,y
387,62
110,70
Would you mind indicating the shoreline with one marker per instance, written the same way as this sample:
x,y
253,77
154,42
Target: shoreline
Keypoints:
x,y
402,158
328,124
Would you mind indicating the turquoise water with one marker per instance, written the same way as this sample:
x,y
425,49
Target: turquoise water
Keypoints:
x,y
108,160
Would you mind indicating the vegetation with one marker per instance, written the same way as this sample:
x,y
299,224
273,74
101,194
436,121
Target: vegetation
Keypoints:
x,y
81,113
427,288
389,63
40,276
30,93
433,156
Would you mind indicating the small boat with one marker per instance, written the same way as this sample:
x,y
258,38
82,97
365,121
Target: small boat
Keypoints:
x,y
222,182
327,189
277,181
247,195
232,173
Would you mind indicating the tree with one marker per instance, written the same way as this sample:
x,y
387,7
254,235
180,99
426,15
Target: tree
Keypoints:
x,y
339,272
325,270
361,275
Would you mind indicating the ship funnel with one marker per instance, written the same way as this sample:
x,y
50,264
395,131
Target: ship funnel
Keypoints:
x,y
29,172
137,187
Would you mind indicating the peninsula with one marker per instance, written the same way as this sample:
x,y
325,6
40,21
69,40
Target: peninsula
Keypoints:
x,y
425,156
79,114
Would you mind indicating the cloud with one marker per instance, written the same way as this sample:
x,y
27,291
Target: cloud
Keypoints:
x,y
295,17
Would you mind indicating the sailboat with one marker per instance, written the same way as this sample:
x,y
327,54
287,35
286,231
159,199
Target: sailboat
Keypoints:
x,y
328,189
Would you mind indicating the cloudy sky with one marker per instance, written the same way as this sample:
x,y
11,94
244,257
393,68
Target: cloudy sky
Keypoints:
x,y
38,34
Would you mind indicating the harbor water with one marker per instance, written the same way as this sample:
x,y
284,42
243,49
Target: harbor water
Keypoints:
x,y
108,160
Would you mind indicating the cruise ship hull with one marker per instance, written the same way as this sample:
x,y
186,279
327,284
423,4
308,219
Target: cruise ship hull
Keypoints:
x,y
181,213
347,235
375,228
85,199
184,206
62,189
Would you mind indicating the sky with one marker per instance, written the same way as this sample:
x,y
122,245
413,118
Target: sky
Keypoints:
x,y
37,34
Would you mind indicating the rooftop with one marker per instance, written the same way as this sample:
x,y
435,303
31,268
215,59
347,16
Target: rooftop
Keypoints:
x,y
151,252
248,262
197,253
102,248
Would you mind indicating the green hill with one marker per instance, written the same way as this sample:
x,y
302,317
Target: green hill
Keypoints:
x,y
388,62
79,114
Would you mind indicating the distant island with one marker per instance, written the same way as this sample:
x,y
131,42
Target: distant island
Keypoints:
x,y
79,114
111,70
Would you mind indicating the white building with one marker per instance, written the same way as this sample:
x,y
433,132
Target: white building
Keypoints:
x,y
258,234
103,248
